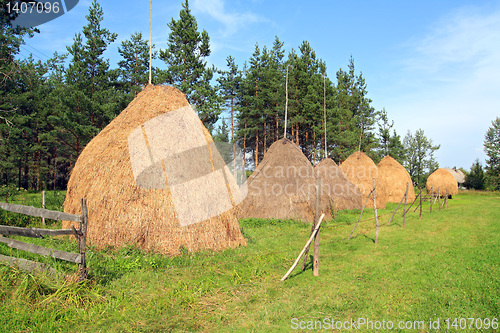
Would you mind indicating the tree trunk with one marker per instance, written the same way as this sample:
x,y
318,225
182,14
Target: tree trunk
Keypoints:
x,y
256,148
265,138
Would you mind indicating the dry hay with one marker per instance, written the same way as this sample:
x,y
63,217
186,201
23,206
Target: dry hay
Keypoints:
x,y
360,170
394,176
282,186
120,211
335,184
441,179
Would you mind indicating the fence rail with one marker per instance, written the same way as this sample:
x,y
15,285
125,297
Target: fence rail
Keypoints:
x,y
80,234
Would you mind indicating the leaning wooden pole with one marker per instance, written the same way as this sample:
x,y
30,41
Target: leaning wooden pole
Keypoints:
x,y
447,197
420,204
400,202
406,198
150,37
360,215
375,208
439,199
304,249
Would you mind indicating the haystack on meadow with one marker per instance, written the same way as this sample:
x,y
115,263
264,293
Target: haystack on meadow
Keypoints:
x,y
394,176
334,184
282,186
150,209
360,170
441,179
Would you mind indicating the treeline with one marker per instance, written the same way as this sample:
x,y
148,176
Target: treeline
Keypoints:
x,y
50,110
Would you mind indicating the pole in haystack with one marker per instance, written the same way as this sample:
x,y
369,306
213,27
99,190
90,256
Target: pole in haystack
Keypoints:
x,y
324,110
150,37
286,102
375,208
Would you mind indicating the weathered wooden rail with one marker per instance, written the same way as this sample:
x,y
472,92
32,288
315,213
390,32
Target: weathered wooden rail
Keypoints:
x,y
80,234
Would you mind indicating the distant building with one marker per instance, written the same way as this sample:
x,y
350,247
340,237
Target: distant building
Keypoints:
x,y
458,174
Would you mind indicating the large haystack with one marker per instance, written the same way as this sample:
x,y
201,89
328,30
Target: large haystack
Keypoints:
x,y
441,179
145,178
282,186
360,170
335,184
394,176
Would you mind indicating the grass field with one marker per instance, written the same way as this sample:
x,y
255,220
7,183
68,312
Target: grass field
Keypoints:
x,y
445,265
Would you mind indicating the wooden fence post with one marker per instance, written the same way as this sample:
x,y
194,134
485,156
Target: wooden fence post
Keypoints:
x,y
317,212
43,206
360,215
375,207
432,201
82,239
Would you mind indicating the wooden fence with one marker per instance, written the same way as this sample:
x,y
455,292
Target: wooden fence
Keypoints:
x,y
80,234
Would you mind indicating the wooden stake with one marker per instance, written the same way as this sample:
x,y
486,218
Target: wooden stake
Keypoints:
x,y
375,207
304,249
432,200
43,206
447,197
316,217
316,238
82,239
406,198
420,204
362,210
439,199
403,198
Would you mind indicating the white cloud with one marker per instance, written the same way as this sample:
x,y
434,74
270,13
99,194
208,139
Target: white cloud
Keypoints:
x,y
232,21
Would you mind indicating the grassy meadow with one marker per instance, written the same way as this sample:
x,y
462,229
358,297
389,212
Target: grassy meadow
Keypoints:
x,y
444,265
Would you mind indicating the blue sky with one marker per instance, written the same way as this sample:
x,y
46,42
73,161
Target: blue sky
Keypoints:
x,y
433,65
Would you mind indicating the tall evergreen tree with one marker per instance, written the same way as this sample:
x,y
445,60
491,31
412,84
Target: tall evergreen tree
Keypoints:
x,y
492,149
134,67
419,161
390,143
185,53
90,100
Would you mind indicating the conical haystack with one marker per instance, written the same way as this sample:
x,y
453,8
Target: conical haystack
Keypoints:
x,y
335,184
360,170
442,180
395,177
143,186
282,186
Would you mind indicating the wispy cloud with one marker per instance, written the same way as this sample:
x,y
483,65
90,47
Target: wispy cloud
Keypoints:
x,y
232,21
448,84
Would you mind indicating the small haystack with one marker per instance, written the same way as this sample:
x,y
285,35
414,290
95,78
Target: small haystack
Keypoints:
x,y
282,186
395,176
152,178
360,170
335,184
441,179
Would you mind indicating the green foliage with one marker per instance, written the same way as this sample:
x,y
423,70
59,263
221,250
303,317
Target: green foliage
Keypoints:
x,y
134,68
419,160
492,149
475,178
185,53
390,144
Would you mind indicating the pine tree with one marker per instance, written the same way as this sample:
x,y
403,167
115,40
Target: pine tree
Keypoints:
x,y
390,144
492,149
185,53
475,179
90,100
134,68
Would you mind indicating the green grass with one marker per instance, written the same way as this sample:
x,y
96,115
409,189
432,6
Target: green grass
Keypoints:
x,y
445,265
